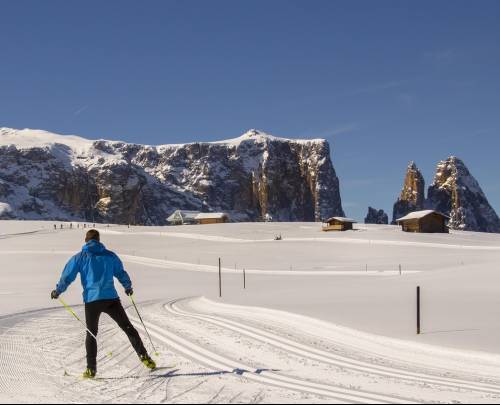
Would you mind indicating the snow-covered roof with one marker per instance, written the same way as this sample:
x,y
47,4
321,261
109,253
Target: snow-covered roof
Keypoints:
x,y
342,219
419,215
5,208
211,215
186,214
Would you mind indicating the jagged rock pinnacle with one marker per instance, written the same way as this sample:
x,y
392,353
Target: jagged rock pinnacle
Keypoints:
x,y
457,193
412,197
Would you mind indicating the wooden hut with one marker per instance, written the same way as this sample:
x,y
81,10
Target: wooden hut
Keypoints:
x,y
183,217
428,221
205,218
338,224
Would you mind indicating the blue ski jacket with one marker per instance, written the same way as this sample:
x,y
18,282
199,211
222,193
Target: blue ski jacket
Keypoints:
x,y
97,267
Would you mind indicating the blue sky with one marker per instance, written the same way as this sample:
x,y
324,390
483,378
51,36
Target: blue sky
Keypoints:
x,y
385,82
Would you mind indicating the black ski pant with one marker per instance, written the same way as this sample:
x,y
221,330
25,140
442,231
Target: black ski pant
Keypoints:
x,y
114,309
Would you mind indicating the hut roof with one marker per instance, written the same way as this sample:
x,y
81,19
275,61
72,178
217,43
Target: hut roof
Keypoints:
x,y
211,215
342,219
186,214
420,215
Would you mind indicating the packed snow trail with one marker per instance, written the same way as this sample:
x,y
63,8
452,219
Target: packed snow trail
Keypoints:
x,y
329,358
432,376
228,353
42,356
265,376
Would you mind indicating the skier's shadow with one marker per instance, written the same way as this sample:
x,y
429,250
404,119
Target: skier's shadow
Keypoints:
x,y
236,371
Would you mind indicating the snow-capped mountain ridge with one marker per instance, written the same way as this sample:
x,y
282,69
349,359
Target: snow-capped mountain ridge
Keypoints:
x,y
29,138
50,176
25,138
260,136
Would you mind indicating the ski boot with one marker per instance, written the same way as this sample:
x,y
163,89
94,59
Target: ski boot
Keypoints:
x,y
148,361
89,373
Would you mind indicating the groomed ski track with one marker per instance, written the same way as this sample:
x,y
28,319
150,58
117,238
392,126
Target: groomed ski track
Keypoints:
x,y
226,353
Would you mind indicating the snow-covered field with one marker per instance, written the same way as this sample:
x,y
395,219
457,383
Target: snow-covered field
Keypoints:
x,y
325,317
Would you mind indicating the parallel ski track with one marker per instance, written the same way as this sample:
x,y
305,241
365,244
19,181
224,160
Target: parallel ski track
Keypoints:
x,y
17,346
330,358
210,359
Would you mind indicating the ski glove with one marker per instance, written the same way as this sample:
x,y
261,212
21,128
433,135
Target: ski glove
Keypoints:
x,y
129,292
54,295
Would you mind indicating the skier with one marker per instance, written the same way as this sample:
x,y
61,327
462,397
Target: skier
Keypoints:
x,y
97,267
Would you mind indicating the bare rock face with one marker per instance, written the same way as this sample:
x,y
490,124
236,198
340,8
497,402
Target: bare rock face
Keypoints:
x,y
378,217
457,193
49,176
412,196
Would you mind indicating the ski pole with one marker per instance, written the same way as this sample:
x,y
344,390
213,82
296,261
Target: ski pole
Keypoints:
x,y
70,310
144,326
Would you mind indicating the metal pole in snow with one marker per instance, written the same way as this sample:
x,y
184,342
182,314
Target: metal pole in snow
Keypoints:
x,y
418,310
220,279
244,279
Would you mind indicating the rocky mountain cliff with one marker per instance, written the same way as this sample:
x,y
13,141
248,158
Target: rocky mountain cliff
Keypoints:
x,y
457,193
454,192
412,197
50,176
378,217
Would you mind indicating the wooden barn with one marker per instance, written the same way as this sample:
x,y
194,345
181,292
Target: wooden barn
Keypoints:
x,y
205,218
338,224
428,221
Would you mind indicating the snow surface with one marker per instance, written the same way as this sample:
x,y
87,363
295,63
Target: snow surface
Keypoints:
x,y
261,136
29,138
71,146
325,317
